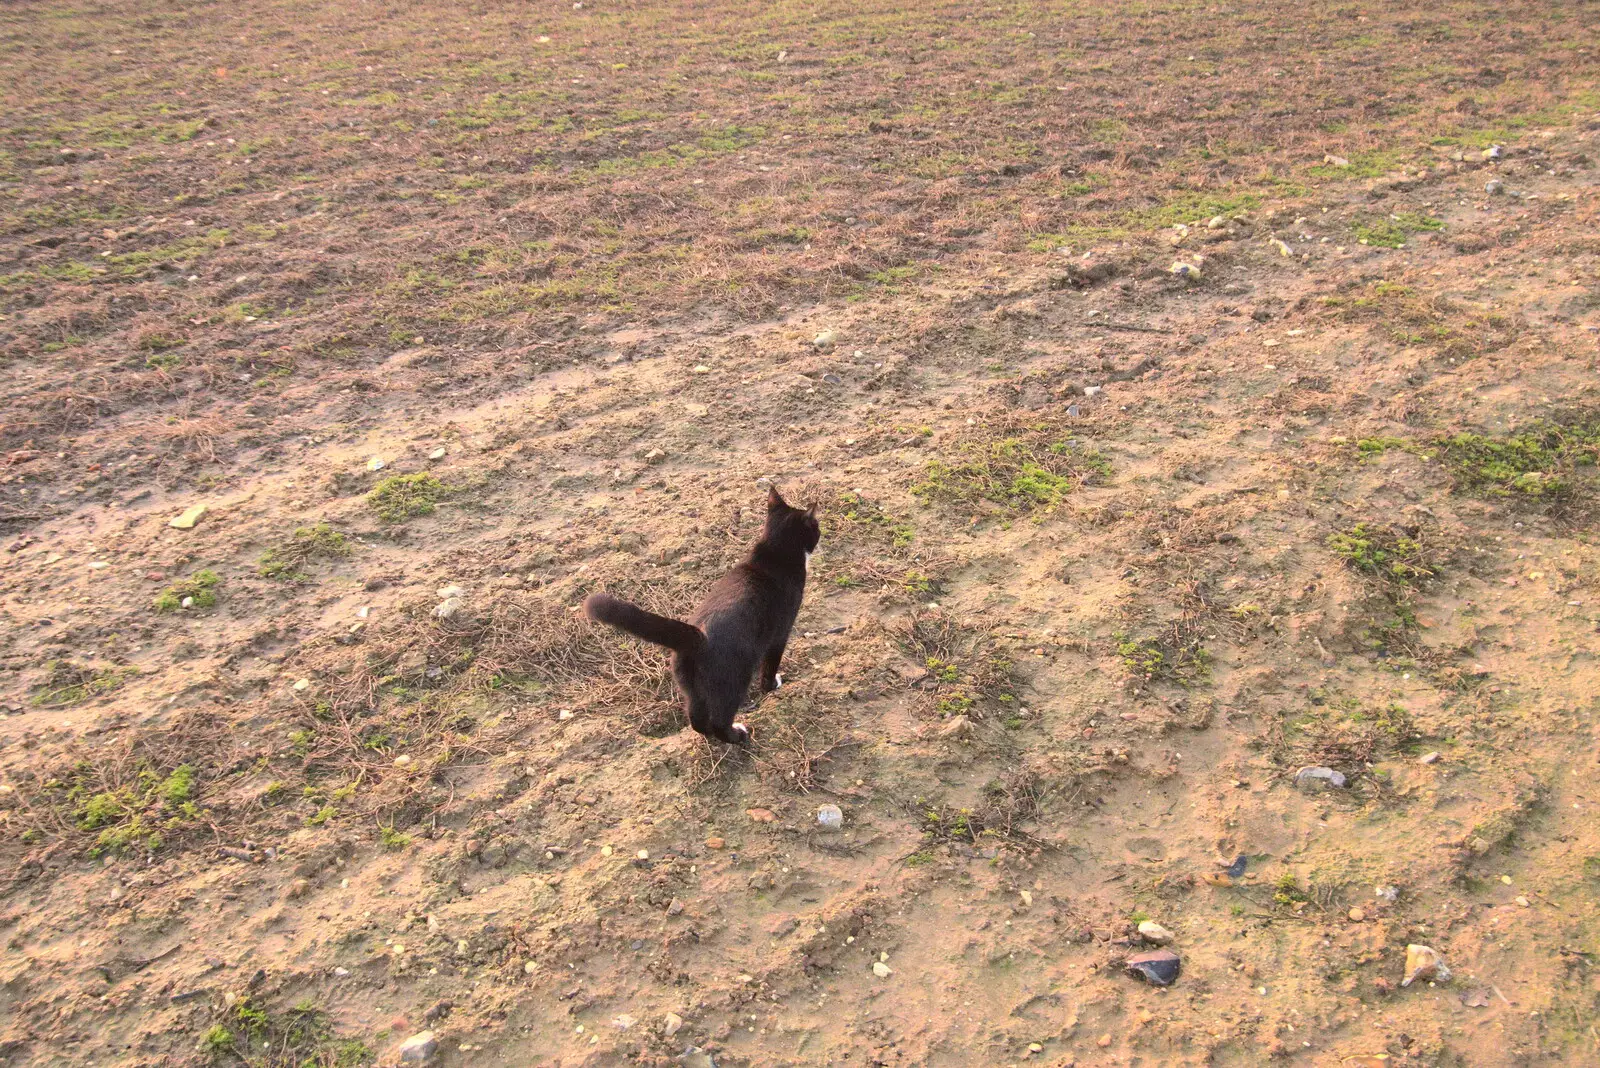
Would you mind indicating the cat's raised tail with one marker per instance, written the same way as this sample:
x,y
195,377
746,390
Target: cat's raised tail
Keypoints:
x,y
675,634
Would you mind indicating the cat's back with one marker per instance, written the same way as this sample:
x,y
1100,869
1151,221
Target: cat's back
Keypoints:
x,y
747,600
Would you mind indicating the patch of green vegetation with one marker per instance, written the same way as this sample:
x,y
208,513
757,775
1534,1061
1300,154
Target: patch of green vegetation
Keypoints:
x,y
1172,657
286,561
403,497
1371,447
1346,732
129,816
217,1042
177,787
71,341
1401,563
921,858
1538,461
246,311
944,824
1141,657
1393,231
183,131
966,673
788,235
956,691
182,251
1384,553
1286,891
1006,803
321,816
68,684
1080,186
68,272
890,277
1020,474
1108,131
1363,165
1190,208
1409,318
393,839
709,146
866,517
99,810
301,1036
201,586
1078,235
156,341
932,164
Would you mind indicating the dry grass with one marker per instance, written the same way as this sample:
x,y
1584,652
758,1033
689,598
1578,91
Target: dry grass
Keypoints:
x,y
999,819
106,798
796,738
967,673
621,162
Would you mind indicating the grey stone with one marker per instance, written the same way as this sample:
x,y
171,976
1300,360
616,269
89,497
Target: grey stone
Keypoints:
x,y
1318,778
419,1048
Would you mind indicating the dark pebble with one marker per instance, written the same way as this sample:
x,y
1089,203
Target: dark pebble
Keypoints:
x,y
1240,862
1159,967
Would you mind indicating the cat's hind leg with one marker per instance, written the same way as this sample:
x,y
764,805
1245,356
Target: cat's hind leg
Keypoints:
x,y
718,728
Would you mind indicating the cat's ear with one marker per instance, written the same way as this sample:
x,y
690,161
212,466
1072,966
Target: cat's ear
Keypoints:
x,y
811,510
774,501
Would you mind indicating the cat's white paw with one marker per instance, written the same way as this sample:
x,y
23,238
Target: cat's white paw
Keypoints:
x,y
777,677
740,728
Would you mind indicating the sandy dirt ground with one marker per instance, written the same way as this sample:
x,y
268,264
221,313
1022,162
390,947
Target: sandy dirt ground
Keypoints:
x,y
1191,395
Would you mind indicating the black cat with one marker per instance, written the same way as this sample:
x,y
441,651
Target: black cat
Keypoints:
x,y
742,624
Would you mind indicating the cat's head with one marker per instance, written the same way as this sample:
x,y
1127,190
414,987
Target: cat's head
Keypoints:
x,y
790,526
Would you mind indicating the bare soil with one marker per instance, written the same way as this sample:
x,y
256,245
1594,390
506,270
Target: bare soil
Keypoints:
x,y
533,301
